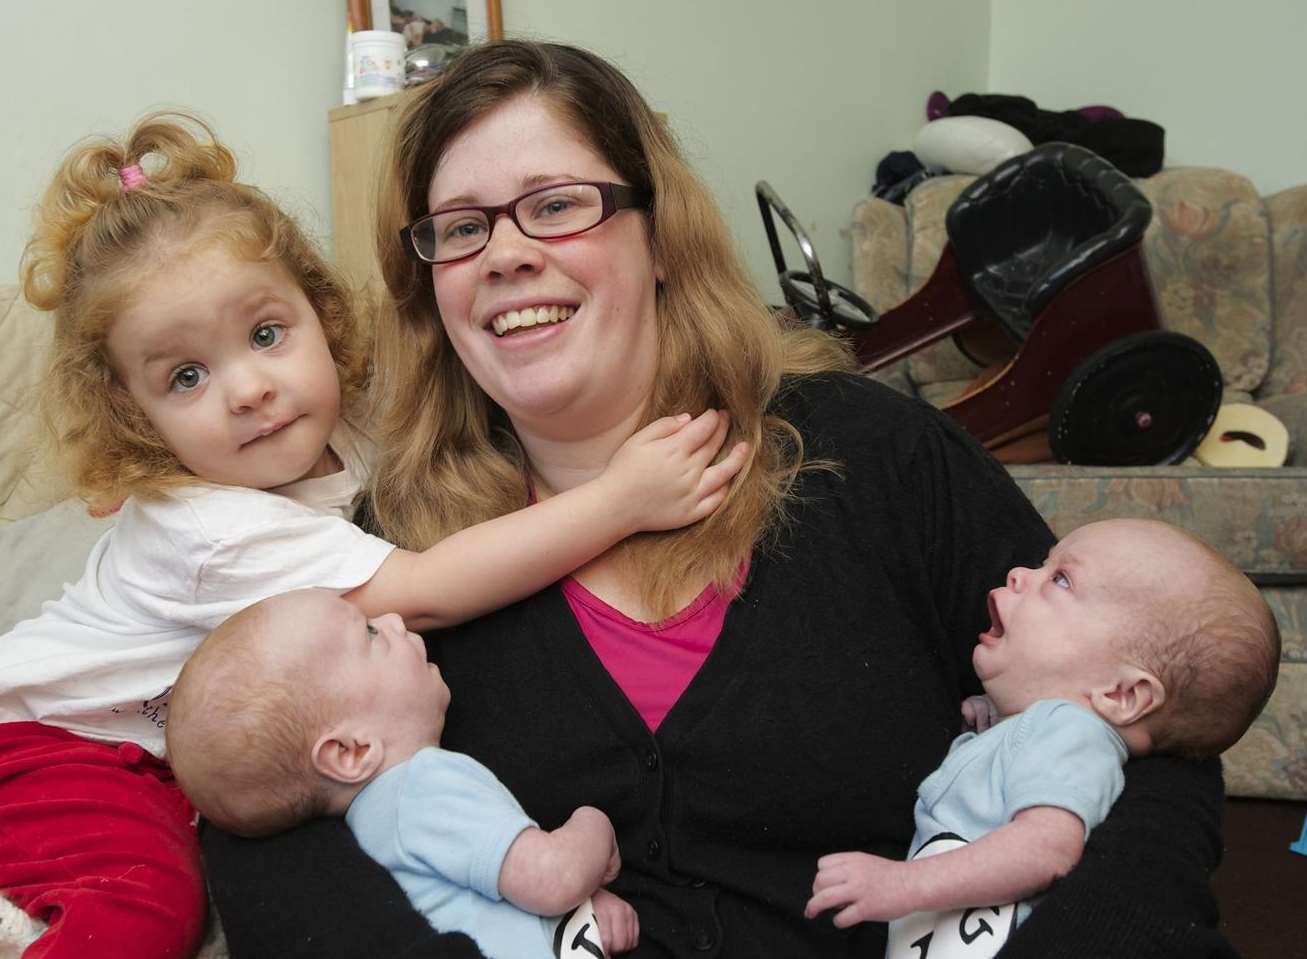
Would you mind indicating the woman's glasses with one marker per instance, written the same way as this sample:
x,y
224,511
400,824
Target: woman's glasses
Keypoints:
x,y
549,213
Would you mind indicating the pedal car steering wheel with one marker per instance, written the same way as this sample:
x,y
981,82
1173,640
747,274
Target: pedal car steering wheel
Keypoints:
x,y
815,300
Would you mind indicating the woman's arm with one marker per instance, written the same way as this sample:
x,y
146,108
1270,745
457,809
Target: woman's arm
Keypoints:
x,y
1141,888
311,893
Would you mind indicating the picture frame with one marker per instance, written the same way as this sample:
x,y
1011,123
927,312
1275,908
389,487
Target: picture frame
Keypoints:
x,y
441,24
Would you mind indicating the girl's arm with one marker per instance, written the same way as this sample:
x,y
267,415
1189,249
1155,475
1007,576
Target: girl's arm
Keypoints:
x,y
1014,862
661,478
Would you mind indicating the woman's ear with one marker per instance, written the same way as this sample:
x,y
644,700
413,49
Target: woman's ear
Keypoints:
x,y
1135,693
347,757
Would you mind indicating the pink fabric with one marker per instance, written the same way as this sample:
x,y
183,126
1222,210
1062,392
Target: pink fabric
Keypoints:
x,y
651,663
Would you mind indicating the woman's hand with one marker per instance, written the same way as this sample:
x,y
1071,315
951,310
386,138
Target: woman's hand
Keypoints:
x,y
663,477
619,926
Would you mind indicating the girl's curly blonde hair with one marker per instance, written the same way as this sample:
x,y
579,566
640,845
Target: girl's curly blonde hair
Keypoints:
x,y
102,230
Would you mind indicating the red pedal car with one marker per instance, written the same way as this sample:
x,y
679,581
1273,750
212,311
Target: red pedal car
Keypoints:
x,y
1042,283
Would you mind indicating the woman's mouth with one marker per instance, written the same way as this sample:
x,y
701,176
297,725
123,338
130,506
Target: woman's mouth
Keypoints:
x,y
532,316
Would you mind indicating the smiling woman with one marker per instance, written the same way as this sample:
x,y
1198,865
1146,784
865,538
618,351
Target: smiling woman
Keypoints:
x,y
741,696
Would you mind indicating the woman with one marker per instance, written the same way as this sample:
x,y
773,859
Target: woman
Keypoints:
x,y
814,635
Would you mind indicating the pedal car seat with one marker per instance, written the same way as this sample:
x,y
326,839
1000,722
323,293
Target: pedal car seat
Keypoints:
x,y
1038,222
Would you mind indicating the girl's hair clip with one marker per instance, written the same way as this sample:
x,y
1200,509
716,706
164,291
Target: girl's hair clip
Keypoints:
x,y
131,177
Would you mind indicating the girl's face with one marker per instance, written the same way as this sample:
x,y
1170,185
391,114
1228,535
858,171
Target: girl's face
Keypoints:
x,y
594,365
229,363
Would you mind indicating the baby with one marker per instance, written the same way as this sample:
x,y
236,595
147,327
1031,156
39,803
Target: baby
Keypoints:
x,y
1133,638
300,706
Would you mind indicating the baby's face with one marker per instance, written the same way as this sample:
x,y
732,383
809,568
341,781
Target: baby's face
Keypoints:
x,y
1055,630
378,667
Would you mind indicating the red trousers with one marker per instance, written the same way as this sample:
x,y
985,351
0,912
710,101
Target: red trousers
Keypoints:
x,y
99,842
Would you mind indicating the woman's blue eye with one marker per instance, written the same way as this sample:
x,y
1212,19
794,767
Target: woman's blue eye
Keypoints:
x,y
464,229
186,378
267,336
554,207
1060,579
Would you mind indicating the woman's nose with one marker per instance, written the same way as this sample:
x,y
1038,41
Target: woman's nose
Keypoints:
x,y
509,250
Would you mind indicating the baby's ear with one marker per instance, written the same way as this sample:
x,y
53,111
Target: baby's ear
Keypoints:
x,y
347,757
1134,694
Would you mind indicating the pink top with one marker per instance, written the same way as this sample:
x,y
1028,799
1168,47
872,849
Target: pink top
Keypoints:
x,y
651,663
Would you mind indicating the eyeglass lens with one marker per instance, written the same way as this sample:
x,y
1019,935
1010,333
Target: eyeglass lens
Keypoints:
x,y
552,212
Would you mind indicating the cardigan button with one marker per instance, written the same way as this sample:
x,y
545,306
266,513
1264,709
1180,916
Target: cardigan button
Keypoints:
x,y
651,760
653,850
702,941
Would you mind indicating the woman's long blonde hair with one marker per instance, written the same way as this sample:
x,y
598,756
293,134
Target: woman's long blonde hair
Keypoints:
x,y
100,234
448,458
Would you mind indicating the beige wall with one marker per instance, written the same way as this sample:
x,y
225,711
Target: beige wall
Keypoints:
x,y
1224,79
265,73
808,96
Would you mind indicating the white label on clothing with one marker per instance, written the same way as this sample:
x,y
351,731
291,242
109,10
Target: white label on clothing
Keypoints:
x,y
977,933
577,934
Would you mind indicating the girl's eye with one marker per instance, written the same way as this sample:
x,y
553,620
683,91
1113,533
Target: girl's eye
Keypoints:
x,y
267,336
372,630
1060,579
186,378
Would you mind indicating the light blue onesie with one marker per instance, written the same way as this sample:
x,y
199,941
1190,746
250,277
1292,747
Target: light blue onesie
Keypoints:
x,y
442,823
1055,753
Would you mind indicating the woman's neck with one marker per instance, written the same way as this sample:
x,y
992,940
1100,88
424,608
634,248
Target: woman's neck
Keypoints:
x,y
562,461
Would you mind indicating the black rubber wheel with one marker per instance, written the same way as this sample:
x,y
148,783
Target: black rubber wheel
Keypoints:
x,y
1145,399
849,312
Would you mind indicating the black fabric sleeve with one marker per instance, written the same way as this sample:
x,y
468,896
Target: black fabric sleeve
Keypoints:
x,y
976,524
1141,887
312,893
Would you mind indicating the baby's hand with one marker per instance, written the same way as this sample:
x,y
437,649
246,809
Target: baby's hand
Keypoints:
x,y
863,887
978,713
663,476
619,926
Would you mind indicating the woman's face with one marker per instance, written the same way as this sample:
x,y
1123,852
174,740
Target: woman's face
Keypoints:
x,y
593,366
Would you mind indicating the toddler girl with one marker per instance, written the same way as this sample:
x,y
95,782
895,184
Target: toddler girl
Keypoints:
x,y
207,374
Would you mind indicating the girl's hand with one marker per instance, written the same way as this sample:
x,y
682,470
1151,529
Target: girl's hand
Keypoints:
x,y
619,926
663,477
978,713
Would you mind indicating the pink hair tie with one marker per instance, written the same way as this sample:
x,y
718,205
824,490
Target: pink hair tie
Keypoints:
x,y
132,177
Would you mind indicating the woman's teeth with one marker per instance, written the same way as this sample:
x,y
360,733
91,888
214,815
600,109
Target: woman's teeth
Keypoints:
x,y
531,316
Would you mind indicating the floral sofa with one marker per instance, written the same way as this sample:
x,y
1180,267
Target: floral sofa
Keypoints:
x,y
1229,267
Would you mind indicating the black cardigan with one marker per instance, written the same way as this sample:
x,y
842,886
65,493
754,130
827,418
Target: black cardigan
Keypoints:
x,y
832,691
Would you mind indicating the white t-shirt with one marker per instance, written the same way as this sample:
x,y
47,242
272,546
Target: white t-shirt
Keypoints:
x,y
101,660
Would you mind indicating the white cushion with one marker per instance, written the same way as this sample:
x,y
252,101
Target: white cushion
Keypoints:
x,y
972,145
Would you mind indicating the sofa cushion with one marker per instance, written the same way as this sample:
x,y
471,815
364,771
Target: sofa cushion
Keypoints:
x,y
1271,759
1208,256
29,479
1287,211
1258,517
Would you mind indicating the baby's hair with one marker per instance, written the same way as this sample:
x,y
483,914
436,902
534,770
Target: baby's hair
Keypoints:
x,y
240,736
116,214
1217,653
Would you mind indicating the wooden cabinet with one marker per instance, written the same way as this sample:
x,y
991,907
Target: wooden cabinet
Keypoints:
x,y
358,134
